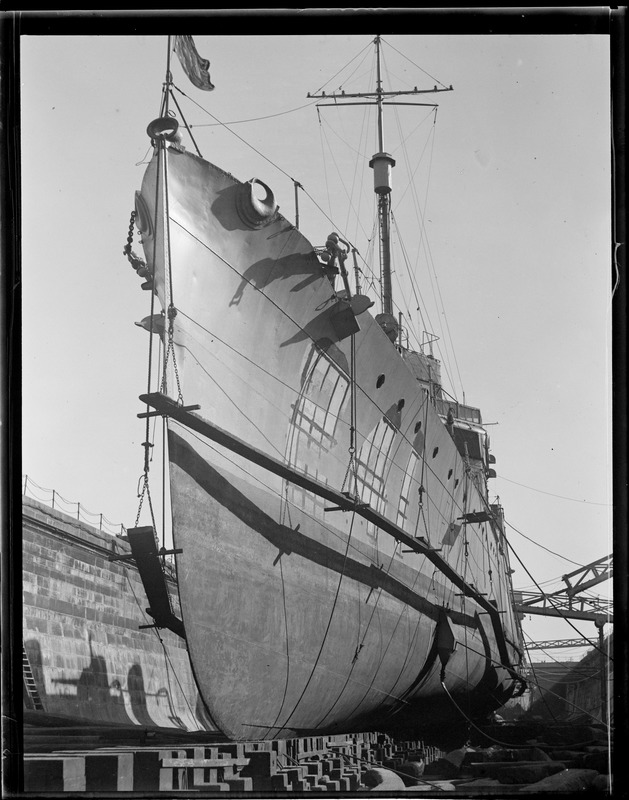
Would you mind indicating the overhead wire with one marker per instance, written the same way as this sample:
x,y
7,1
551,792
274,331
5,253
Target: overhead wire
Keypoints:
x,y
556,608
325,635
543,547
559,496
432,78
424,244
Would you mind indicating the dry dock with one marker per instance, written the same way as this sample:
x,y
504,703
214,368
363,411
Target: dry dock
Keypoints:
x,y
112,708
97,760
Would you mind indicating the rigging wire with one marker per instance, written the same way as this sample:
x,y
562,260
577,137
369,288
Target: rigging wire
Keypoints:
x,y
543,689
557,609
360,647
327,630
424,244
548,550
432,78
244,141
364,51
283,312
219,124
338,417
560,496
161,641
287,680
342,182
270,161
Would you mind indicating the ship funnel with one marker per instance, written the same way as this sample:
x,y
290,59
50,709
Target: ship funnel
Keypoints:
x,y
381,164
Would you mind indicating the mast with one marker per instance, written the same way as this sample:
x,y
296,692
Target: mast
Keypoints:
x,y
382,164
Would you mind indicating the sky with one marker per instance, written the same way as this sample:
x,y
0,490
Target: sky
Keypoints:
x,y
514,184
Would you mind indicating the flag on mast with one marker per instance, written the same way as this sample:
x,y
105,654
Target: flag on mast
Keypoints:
x,y
195,67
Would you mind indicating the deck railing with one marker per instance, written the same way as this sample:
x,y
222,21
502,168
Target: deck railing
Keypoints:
x,y
460,411
52,498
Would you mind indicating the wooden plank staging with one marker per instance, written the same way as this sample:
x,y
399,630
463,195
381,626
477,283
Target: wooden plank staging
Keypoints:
x,y
315,763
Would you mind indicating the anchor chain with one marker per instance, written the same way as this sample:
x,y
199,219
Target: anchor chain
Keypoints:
x,y
138,264
170,350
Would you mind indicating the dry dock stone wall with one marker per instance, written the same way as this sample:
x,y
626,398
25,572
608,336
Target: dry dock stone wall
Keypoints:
x,y
84,655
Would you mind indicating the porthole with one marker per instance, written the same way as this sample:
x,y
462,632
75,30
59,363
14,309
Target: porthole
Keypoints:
x,y
400,404
435,451
418,426
456,483
449,474
379,381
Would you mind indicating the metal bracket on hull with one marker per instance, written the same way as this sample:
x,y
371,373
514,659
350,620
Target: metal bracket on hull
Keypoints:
x,y
127,557
146,555
356,503
426,544
146,414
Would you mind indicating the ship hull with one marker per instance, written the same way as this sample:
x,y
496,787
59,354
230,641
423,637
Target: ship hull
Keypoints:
x,y
301,618
295,633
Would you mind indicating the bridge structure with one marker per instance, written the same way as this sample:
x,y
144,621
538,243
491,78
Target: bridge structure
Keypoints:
x,y
570,603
